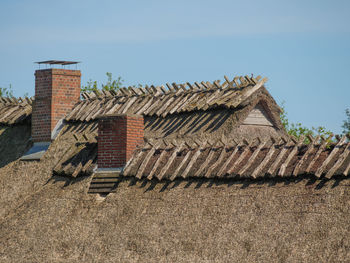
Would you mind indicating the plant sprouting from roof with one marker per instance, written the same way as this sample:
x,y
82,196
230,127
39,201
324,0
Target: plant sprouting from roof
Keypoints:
x,y
297,129
346,123
6,92
111,84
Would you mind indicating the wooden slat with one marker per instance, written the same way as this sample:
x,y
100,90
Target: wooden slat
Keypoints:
x,y
174,104
291,155
194,159
146,161
180,103
157,163
310,150
155,104
276,164
317,155
330,157
216,164
95,110
184,160
133,161
228,161
266,160
340,161
347,170
85,112
165,105
128,105
251,160
75,110
170,161
248,92
243,155
182,107
206,163
145,106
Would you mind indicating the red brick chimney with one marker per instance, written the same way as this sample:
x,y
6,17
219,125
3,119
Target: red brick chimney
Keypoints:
x,y
56,92
118,136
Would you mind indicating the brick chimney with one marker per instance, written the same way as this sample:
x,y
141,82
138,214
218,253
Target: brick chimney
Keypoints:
x,y
56,92
118,136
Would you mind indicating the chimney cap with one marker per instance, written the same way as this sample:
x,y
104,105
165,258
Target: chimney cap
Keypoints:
x,y
57,62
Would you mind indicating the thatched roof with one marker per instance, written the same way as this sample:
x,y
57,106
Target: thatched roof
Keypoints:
x,y
14,111
191,215
159,101
205,159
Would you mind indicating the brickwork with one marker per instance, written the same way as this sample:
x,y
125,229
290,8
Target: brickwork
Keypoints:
x,y
118,136
56,92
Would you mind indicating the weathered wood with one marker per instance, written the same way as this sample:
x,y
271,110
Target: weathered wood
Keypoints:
x,y
251,160
173,104
95,110
228,81
128,105
266,160
104,180
310,150
185,105
257,116
330,157
154,105
75,110
184,160
84,112
347,170
272,170
291,155
133,161
194,159
248,92
147,101
228,161
77,170
170,160
206,163
217,163
180,103
146,160
317,155
340,161
165,105
242,156
157,163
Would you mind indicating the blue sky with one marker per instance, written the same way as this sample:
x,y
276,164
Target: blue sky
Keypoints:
x,y
303,47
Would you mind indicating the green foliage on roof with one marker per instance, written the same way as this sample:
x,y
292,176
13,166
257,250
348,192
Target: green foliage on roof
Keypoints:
x,y
111,84
6,91
346,124
297,129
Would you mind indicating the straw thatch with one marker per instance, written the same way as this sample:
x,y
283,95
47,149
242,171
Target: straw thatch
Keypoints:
x,y
162,102
14,111
224,159
206,220
158,212
14,142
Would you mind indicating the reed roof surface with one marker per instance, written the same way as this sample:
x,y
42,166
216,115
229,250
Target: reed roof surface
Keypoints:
x,y
161,101
14,111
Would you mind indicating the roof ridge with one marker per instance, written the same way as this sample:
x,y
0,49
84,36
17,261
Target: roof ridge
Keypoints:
x,y
16,101
238,82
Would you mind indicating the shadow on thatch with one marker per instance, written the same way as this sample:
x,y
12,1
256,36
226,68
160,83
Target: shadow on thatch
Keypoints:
x,y
14,142
67,180
310,182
